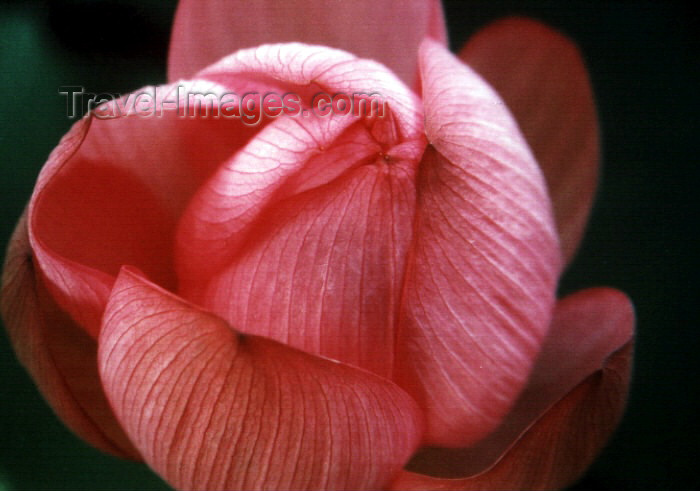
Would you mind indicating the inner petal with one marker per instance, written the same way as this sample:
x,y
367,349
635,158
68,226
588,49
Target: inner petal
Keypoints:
x,y
302,235
321,270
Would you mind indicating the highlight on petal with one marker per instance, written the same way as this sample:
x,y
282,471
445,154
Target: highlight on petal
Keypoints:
x,y
588,327
309,70
112,190
294,153
210,408
219,217
573,403
324,269
482,271
389,31
58,354
79,290
541,76
302,235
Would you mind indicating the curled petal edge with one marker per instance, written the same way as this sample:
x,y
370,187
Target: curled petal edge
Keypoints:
x,y
210,408
558,446
58,354
481,276
542,77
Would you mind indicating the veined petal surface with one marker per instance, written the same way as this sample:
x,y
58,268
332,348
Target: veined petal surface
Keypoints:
x,y
541,76
210,408
482,271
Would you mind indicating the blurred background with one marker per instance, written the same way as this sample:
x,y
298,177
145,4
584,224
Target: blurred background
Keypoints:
x,y
642,238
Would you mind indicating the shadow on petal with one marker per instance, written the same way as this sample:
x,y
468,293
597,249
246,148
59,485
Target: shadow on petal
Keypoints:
x,y
572,404
60,356
541,76
210,408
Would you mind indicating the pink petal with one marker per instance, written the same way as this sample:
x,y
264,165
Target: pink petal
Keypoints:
x,y
58,354
271,167
320,262
481,276
308,70
541,76
290,155
110,194
80,290
388,31
590,343
210,408
302,235
587,328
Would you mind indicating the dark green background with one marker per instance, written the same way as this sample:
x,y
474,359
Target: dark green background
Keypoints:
x,y
643,59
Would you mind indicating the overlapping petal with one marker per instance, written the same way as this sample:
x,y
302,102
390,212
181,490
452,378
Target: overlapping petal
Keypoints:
x,y
302,235
111,193
272,167
210,408
322,270
308,70
388,31
541,76
573,402
482,271
58,354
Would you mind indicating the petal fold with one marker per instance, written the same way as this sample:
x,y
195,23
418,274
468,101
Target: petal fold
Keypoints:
x,y
588,327
111,192
542,78
389,32
58,354
270,168
321,270
481,275
302,235
80,290
308,71
210,408
573,403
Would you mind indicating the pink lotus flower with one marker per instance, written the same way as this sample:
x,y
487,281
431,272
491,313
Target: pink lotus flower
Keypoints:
x,y
329,302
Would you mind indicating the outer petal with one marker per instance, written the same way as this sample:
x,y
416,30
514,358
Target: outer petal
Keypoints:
x,y
590,342
588,327
210,408
388,31
111,191
481,276
60,356
542,78
80,290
